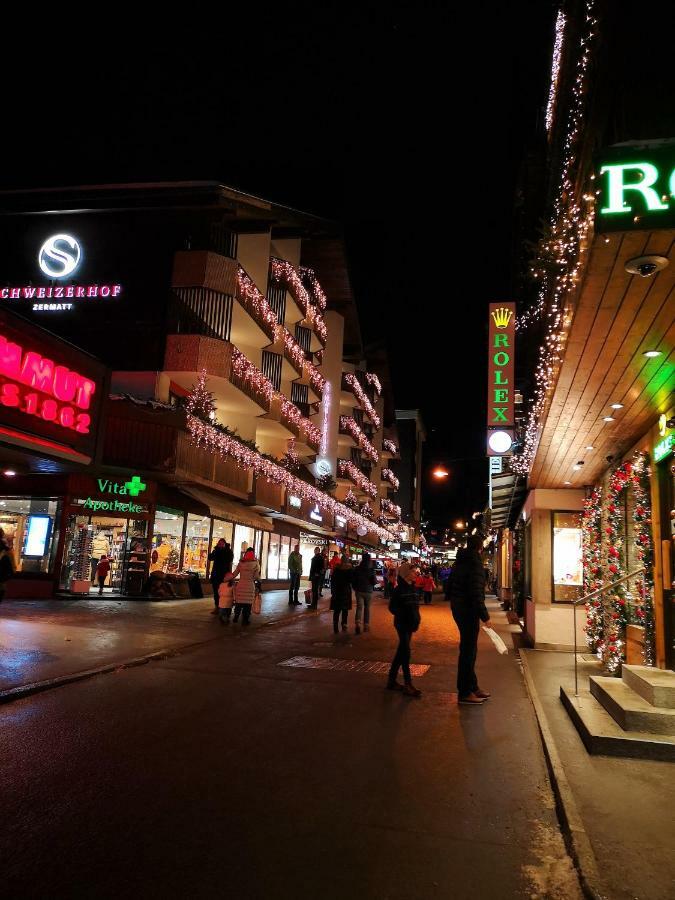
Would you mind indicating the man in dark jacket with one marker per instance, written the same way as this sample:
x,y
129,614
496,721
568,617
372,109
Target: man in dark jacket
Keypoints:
x,y
404,604
364,582
316,571
221,563
465,588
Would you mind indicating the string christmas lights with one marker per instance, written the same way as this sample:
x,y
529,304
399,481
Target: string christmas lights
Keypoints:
x,y
349,424
309,276
364,402
209,436
389,507
592,562
283,273
555,67
371,378
561,255
347,467
390,446
389,476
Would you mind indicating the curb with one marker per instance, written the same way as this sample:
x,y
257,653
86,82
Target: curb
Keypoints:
x,y
571,823
9,695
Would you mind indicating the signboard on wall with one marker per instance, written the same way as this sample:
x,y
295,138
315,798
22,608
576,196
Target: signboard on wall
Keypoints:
x,y
501,410
50,392
635,185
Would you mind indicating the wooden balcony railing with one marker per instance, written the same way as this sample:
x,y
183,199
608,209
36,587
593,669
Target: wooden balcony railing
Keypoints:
x,y
269,495
195,461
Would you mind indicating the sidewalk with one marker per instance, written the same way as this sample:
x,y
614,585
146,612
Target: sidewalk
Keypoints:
x,y
46,639
625,805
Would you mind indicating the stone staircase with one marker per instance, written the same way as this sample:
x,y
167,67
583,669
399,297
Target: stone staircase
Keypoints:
x,y
631,716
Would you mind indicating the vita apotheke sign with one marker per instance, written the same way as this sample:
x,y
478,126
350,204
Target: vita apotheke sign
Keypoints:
x,y
133,487
60,256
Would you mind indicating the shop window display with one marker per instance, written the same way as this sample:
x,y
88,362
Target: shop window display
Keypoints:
x,y
244,537
88,538
196,552
265,551
272,570
29,529
284,553
568,575
166,540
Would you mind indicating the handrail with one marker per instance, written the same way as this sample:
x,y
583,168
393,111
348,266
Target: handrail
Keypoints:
x,y
596,593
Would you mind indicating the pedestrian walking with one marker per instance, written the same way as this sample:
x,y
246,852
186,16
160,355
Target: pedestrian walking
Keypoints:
x,y
316,572
246,588
221,558
326,571
6,565
465,588
225,598
428,585
405,607
364,582
341,592
102,570
294,573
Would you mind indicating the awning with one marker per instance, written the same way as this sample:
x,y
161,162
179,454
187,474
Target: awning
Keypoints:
x,y
221,507
508,496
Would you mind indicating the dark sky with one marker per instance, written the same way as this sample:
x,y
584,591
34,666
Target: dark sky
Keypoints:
x,y
406,122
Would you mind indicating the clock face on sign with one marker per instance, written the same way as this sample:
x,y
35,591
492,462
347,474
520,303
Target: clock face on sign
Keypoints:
x,y
323,467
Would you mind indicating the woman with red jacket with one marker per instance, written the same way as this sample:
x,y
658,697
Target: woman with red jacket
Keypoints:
x,y
428,586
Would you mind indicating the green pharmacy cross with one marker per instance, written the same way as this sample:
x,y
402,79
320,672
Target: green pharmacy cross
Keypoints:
x,y
135,486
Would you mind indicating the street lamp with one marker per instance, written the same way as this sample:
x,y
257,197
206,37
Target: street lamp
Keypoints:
x,y
459,526
439,472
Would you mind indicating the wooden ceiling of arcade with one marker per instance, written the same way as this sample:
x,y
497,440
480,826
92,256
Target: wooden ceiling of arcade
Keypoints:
x,y
619,316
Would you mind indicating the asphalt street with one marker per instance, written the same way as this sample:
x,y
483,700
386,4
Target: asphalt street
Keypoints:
x,y
220,772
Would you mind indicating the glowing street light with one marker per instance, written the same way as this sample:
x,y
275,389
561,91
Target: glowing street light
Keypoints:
x,y
440,473
459,525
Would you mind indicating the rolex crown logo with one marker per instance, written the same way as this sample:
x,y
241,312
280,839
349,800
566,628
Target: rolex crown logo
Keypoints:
x,y
502,316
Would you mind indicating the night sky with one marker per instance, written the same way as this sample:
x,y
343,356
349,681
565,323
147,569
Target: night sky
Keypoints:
x,y
406,122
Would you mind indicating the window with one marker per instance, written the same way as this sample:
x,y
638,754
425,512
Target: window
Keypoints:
x,y
273,557
304,337
196,552
568,573
166,540
29,529
284,553
271,367
221,529
244,537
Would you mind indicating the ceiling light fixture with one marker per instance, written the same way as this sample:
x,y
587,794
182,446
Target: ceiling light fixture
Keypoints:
x,y
617,405
10,473
590,447
652,354
608,418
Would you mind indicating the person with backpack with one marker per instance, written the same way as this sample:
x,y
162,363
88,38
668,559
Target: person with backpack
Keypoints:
x,y
404,606
364,582
465,588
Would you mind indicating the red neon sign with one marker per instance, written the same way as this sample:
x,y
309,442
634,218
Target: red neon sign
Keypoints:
x,y
35,385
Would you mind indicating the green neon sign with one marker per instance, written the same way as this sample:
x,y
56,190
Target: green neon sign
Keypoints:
x,y
636,187
664,447
133,487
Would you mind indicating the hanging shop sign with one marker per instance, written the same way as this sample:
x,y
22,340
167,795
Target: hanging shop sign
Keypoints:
x,y
664,447
501,370
307,538
636,187
59,257
50,393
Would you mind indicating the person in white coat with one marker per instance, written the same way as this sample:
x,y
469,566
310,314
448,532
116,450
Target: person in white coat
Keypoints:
x,y
248,571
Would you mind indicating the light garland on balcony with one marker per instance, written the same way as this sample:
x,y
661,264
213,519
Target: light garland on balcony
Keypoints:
x,y
347,467
284,273
360,395
254,301
555,67
389,476
390,446
293,414
371,378
348,423
310,276
389,507
571,223
208,437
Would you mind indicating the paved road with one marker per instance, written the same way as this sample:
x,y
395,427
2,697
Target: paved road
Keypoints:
x,y
220,773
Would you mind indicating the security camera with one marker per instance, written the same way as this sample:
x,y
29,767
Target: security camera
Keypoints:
x,y
646,265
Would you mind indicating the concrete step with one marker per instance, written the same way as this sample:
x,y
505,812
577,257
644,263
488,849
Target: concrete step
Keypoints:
x,y
656,686
630,710
602,736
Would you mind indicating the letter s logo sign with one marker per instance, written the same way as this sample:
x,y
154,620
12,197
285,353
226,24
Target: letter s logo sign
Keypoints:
x,y
59,256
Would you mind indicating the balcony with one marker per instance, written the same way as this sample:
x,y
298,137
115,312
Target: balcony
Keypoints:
x,y
390,449
351,384
238,386
195,462
350,471
285,275
390,478
267,495
348,426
